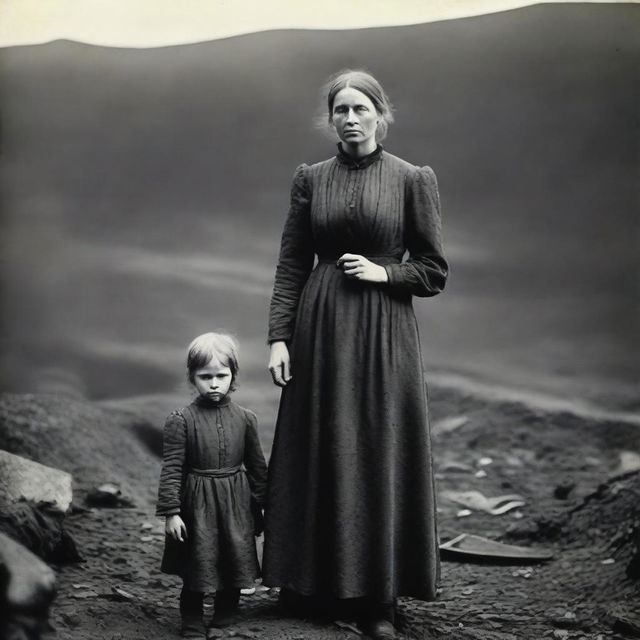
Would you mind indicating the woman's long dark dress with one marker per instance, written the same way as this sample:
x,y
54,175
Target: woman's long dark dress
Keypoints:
x,y
351,506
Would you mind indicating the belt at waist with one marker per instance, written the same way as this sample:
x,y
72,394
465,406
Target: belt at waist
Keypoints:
x,y
376,259
224,472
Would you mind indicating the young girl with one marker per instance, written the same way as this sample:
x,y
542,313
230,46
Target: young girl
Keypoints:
x,y
212,470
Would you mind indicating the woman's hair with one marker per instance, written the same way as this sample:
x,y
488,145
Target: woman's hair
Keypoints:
x,y
213,346
367,84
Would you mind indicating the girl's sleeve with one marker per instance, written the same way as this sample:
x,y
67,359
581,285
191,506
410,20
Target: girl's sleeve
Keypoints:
x,y
424,273
254,461
174,440
295,261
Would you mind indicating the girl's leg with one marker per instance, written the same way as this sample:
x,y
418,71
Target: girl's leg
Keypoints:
x,y
191,613
227,600
225,608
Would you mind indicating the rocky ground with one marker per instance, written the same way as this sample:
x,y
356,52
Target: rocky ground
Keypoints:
x,y
574,474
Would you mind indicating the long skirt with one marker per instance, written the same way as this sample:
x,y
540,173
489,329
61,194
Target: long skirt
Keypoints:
x,y
220,551
351,503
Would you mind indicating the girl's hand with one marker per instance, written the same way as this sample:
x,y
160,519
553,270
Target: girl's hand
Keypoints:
x,y
279,363
176,528
359,268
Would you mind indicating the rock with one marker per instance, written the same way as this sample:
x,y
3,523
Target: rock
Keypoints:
x,y
626,619
568,620
629,461
447,425
562,491
40,529
71,619
82,594
109,496
121,594
455,467
24,479
27,588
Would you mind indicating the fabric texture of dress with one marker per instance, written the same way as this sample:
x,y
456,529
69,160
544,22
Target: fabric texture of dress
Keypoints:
x,y
351,503
213,469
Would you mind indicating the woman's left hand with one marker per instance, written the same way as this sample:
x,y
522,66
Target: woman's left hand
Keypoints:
x,y
358,267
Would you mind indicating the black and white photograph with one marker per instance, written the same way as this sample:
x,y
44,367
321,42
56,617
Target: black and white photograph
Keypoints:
x,y
319,321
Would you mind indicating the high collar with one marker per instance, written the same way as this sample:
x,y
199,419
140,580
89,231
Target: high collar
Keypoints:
x,y
203,401
358,163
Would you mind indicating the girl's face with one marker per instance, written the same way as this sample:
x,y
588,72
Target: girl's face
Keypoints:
x,y
213,380
355,118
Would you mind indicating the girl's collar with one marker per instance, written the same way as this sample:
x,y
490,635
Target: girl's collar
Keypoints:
x,y
358,163
203,401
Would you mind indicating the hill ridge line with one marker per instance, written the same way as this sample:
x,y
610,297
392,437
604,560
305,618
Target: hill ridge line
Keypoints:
x,y
535,400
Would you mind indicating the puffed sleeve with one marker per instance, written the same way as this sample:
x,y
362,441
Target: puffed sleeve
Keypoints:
x,y
424,273
174,439
254,461
295,261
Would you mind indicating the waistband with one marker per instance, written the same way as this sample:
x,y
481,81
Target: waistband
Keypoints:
x,y
224,472
376,259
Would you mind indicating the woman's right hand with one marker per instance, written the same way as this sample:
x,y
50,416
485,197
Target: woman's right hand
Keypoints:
x,y
175,528
279,363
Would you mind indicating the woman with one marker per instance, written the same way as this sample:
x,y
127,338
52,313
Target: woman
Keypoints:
x,y
351,508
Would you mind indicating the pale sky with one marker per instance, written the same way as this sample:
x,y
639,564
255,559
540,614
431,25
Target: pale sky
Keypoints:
x,y
154,23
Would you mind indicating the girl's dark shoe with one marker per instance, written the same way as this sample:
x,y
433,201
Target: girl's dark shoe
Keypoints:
x,y
222,619
225,610
379,629
192,628
191,612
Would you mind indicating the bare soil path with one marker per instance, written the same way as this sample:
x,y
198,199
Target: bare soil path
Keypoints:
x,y
563,465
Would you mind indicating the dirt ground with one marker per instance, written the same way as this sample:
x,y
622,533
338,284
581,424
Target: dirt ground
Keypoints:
x,y
578,503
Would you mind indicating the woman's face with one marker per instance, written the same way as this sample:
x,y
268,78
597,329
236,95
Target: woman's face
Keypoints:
x,y
355,118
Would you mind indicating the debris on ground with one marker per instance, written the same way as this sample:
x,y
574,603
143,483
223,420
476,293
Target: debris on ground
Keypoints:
x,y
108,496
478,502
468,545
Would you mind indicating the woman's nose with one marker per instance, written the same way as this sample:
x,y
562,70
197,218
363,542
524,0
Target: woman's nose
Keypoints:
x,y
351,116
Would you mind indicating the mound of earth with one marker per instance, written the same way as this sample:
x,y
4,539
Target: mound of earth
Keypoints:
x,y
93,444
566,469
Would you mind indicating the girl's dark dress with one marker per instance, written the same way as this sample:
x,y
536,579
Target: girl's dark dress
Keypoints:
x,y
213,464
351,507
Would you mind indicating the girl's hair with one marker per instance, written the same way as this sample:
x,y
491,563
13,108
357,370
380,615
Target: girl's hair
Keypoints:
x,y
213,346
367,84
